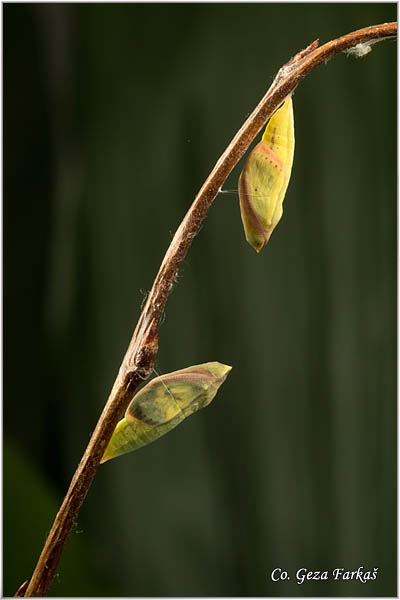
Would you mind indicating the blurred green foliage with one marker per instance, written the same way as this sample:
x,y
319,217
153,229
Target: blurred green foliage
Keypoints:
x,y
114,114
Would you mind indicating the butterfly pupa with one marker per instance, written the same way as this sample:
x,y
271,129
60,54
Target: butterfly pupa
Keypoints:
x,y
265,177
164,403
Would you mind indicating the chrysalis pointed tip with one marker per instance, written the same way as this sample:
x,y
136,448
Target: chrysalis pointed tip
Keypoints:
x,y
258,246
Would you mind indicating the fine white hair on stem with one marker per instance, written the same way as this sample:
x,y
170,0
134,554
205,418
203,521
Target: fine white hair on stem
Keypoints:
x,y
362,49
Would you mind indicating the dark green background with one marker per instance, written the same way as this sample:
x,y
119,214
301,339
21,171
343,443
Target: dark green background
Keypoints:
x,y
113,117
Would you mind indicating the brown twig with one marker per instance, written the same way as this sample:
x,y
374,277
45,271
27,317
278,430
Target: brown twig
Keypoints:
x,y
21,590
139,359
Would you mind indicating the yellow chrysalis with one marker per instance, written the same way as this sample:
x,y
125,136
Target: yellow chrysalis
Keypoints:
x,y
265,177
164,403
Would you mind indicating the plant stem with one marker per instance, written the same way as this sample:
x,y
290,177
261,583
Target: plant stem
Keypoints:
x,y
140,357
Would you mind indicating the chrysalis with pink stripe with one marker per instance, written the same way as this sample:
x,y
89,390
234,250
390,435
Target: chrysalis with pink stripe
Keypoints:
x,y
164,403
265,177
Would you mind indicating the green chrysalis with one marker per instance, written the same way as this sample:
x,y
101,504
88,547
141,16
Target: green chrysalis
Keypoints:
x,y
265,177
164,403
